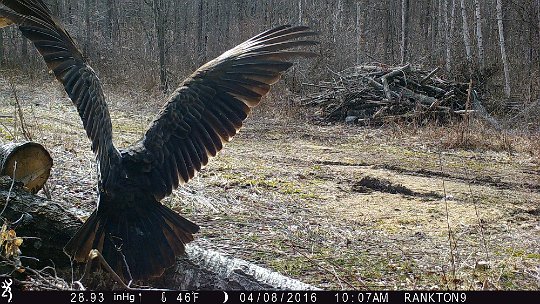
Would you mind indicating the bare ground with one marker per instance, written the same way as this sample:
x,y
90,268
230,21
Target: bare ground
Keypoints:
x,y
334,206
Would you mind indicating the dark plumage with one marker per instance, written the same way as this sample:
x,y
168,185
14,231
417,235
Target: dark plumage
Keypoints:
x,y
205,112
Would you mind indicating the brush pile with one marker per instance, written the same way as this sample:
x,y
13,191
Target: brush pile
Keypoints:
x,y
377,94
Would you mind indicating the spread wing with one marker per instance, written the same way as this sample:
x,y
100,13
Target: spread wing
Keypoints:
x,y
209,107
66,61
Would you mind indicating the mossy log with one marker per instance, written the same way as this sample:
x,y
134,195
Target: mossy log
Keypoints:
x,y
46,227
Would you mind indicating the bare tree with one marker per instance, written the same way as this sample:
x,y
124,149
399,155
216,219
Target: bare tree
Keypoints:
x,y
404,30
479,37
538,17
436,36
504,59
337,19
451,34
447,37
159,10
188,33
453,20
530,53
2,58
112,22
359,32
88,33
202,38
466,35
300,11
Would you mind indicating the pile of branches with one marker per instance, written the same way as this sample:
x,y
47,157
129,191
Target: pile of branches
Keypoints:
x,y
378,94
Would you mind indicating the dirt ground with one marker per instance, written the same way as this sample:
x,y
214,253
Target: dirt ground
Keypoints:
x,y
339,207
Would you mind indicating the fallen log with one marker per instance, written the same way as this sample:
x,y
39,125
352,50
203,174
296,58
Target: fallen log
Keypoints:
x,y
427,100
46,226
207,269
386,77
27,162
379,86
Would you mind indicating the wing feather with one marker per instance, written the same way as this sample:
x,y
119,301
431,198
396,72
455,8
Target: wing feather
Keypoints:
x,y
193,154
68,65
181,166
213,137
220,127
204,140
209,107
189,164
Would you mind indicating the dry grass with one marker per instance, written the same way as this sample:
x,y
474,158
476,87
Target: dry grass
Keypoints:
x,y
282,195
473,136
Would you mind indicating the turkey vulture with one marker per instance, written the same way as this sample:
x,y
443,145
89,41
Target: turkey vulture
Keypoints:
x,y
137,235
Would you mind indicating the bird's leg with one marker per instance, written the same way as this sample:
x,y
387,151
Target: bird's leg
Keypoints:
x,y
118,246
127,267
94,253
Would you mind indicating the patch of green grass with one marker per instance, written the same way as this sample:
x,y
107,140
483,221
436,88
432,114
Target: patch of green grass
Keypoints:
x,y
5,135
408,221
508,280
435,211
310,195
291,267
281,186
131,128
520,253
535,256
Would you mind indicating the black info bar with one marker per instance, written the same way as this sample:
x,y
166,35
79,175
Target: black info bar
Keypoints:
x,y
241,297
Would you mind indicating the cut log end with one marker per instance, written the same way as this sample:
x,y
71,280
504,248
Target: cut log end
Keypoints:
x,y
28,163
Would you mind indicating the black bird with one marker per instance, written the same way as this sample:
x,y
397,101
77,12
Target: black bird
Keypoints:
x,y
138,236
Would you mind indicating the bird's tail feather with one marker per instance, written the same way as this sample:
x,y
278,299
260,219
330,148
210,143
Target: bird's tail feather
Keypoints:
x,y
137,242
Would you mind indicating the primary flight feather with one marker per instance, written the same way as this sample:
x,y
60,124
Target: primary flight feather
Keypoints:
x,y
138,236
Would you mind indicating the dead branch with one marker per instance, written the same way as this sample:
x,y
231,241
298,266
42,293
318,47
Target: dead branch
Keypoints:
x,y
375,94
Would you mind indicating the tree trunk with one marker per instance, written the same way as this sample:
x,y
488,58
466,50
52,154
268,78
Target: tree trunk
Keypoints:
x,y
479,37
88,33
452,29
359,32
300,12
404,30
447,38
70,14
466,36
337,20
210,270
201,34
504,59
159,26
453,20
393,14
112,22
46,227
436,21
537,43
2,57
538,17
388,29
530,58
